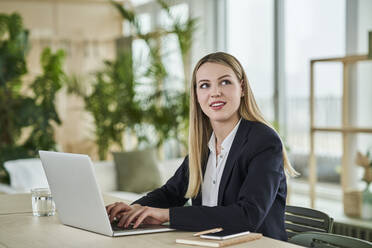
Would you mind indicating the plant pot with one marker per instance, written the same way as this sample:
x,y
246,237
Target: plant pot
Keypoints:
x,y
367,175
352,202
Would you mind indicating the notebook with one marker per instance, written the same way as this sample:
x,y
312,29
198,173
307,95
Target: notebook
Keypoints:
x,y
78,199
218,243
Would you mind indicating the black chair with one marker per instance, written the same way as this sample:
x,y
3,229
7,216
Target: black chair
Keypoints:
x,y
300,219
328,240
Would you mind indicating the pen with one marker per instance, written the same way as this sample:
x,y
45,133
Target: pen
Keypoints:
x,y
214,230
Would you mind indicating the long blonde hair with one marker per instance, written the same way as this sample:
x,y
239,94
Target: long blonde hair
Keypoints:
x,y
200,128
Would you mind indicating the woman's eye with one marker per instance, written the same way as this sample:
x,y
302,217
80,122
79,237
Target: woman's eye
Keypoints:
x,y
204,86
225,82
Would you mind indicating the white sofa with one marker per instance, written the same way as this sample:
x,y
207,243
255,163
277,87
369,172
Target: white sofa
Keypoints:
x,y
26,174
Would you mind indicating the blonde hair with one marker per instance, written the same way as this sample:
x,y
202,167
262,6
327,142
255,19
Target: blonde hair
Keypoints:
x,y
200,128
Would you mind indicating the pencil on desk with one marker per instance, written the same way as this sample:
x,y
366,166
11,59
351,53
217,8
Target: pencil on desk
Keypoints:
x,y
214,230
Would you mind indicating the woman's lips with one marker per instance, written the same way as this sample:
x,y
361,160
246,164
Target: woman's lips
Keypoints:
x,y
217,105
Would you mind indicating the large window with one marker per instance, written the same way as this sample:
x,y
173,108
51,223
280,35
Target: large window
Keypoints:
x,y
152,17
172,55
314,29
250,37
308,29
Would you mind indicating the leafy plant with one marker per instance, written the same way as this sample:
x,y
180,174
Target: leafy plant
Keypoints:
x,y
13,48
164,109
118,107
45,88
111,100
369,156
113,104
19,111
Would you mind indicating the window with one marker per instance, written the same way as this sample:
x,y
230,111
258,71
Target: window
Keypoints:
x,y
250,38
314,29
311,29
172,58
151,17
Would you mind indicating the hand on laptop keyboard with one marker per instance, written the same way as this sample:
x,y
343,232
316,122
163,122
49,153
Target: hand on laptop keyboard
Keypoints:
x,y
141,226
116,227
136,214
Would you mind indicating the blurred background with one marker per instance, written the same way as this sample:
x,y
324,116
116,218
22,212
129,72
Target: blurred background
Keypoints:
x,y
97,76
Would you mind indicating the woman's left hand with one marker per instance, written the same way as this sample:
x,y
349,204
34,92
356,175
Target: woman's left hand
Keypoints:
x,y
144,214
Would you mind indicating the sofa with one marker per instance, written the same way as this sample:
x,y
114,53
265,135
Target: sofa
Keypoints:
x,y
26,174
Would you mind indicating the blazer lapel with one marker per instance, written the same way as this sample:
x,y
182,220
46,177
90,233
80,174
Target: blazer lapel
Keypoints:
x,y
233,155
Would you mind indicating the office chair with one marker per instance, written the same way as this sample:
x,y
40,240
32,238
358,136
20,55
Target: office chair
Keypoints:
x,y
300,219
328,240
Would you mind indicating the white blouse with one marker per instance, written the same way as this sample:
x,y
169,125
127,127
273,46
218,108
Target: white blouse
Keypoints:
x,y
214,170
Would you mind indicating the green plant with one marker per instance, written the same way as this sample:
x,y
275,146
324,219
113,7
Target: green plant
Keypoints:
x,y
184,32
164,109
369,156
45,88
118,107
13,117
19,111
111,100
113,103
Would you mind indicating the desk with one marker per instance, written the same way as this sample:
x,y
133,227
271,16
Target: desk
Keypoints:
x,y
21,203
15,204
19,228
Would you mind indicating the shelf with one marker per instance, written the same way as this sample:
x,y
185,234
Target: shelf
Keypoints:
x,y
342,129
346,59
345,128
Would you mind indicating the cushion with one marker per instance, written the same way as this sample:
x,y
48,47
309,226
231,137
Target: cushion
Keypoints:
x,y
26,174
106,175
137,170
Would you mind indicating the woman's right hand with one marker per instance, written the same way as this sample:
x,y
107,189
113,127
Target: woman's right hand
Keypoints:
x,y
117,209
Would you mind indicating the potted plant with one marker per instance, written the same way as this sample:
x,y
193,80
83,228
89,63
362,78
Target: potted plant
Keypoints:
x,y
365,161
111,100
164,109
18,111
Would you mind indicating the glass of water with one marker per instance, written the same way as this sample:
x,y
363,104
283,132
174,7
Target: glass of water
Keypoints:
x,y
42,202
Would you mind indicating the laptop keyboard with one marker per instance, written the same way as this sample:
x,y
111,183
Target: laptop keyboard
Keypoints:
x,y
116,228
130,227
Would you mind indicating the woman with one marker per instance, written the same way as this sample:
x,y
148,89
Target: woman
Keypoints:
x,y
234,172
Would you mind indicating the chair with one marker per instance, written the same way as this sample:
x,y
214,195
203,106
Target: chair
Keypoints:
x,y
300,219
328,240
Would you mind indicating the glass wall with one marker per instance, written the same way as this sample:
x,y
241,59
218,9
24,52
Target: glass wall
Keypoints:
x,y
314,29
153,18
250,37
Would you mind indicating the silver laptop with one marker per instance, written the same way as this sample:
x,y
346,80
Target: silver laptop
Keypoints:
x,y
78,198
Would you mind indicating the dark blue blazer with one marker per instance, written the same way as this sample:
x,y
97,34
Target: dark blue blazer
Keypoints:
x,y
252,192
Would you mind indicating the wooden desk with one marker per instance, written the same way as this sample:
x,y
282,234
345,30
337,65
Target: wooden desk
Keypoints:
x,y
15,204
19,228
21,203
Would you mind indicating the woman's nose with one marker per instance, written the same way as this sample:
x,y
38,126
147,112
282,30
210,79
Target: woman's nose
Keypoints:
x,y
216,91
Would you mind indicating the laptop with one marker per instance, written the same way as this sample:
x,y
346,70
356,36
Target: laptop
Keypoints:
x,y
78,198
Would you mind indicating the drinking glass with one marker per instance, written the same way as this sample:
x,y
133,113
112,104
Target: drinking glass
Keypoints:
x,y
42,202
